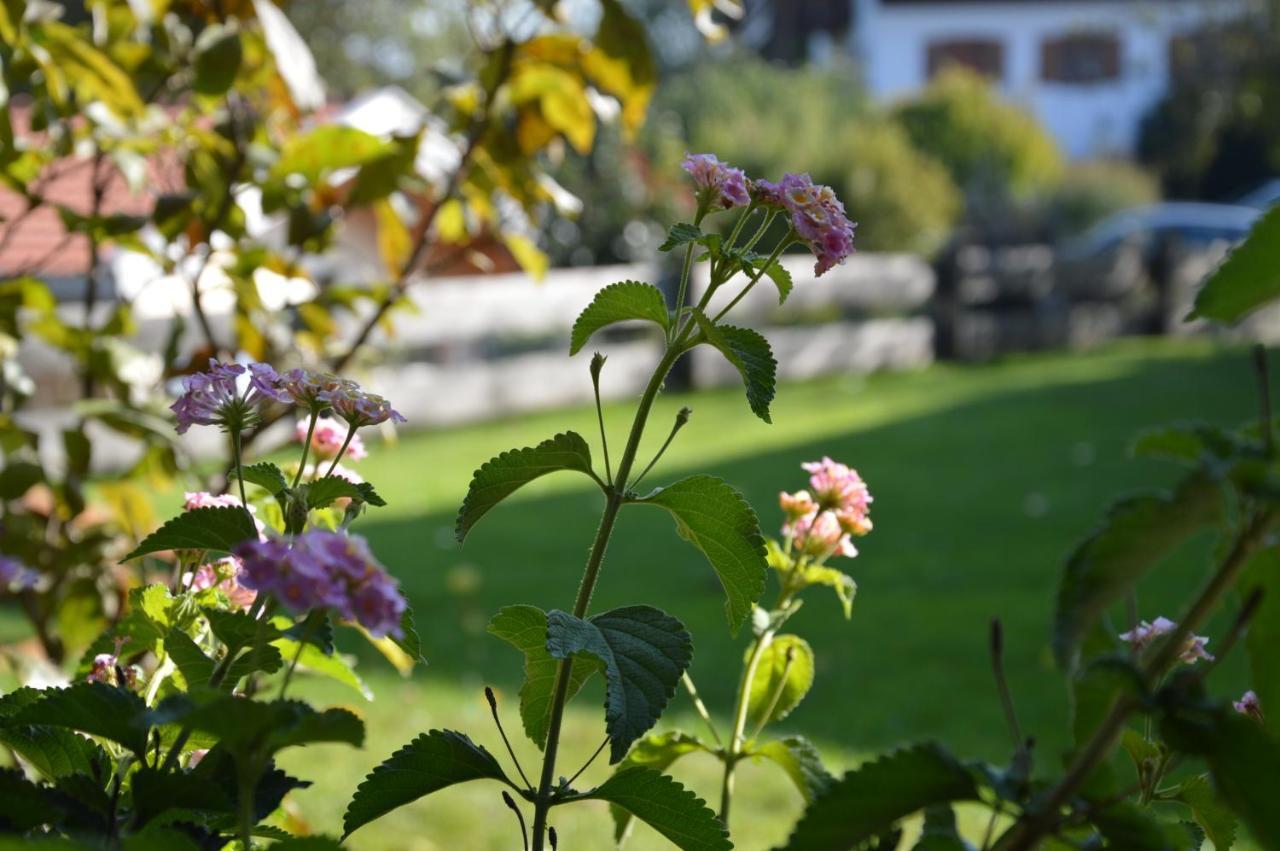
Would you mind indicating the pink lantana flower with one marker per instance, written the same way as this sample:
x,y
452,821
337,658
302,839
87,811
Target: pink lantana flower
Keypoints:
x,y
717,182
1146,632
327,440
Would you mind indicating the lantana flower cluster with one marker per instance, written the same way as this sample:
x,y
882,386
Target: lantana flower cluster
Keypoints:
x,y
325,570
823,520
817,216
1146,633
16,576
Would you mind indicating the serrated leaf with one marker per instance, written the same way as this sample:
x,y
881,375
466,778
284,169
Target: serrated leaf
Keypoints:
x,y
656,752
500,477
1126,825
54,752
781,279
681,233
238,630
1248,279
644,652
194,666
324,492
94,708
155,792
716,519
251,728
797,756
619,302
783,677
871,799
1214,817
267,476
751,355
213,529
667,807
939,832
431,762
525,628
1135,535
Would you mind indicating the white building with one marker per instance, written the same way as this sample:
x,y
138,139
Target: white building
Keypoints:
x,y
1089,69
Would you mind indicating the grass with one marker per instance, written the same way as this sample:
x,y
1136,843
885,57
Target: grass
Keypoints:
x,y
983,477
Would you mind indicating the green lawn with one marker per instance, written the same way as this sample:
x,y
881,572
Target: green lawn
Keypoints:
x,y
983,478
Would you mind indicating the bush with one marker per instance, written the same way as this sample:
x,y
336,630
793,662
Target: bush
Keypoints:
x,y
995,151
1091,191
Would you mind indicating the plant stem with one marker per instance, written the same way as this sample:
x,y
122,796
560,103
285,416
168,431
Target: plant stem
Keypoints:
x,y
343,451
235,454
700,707
306,448
773,258
308,627
542,802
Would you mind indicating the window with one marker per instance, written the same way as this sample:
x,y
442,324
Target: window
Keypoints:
x,y
1080,58
986,56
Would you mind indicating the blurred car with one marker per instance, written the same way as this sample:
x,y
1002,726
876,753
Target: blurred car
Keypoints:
x,y
1134,250
1263,197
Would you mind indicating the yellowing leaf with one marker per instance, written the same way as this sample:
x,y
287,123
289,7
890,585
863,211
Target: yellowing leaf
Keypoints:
x,y
562,99
394,243
451,222
621,63
527,254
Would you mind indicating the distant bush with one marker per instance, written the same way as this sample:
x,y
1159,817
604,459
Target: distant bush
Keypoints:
x,y
1093,190
995,151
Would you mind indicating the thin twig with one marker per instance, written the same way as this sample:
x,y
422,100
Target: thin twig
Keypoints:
x,y
590,760
493,707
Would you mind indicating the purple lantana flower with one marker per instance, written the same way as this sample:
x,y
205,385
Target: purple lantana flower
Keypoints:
x,y
817,217
16,576
227,395
717,182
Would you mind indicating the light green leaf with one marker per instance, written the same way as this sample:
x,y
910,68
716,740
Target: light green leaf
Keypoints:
x,y
212,529
681,233
1248,279
429,763
619,303
783,677
797,756
1135,535
643,651
194,666
525,628
326,148
751,355
238,630
266,476
330,665
1214,817
667,807
871,799
716,519
781,279
500,477
837,580
655,751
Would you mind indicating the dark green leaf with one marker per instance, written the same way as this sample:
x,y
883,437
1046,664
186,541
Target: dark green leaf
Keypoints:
x,y
54,752
155,791
644,652
667,807
751,355
1262,573
1248,278
716,519
655,751
525,628
939,832
1214,817
619,303
1135,535
325,491
93,708
267,476
871,799
1126,825
25,805
247,727
783,677
681,233
217,59
499,477
213,529
797,756
429,763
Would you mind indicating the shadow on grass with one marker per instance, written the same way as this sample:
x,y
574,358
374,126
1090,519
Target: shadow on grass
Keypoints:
x,y
975,510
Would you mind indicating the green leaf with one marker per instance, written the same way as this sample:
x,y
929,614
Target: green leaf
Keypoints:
x,y
1126,825
431,762
525,628
25,805
667,807
939,832
656,752
716,519
681,233
94,708
837,580
267,476
1135,535
1193,444
195,667
781,279
1262,573
1214,817
500,477
213,529
1248,279
326,148
217,59
155,792
751,355
797,756
783,677
329,665
54,752
323,492
643,651
871,799
238,630
249,728
619,303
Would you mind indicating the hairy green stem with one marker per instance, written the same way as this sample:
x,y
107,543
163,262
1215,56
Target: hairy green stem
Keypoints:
x,y
306,448
616,497
350,436
236,456
773,258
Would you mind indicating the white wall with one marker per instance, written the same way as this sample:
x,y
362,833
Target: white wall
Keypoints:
x,y
891,40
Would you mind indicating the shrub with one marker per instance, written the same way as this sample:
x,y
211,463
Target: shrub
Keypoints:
x,y
1093,190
